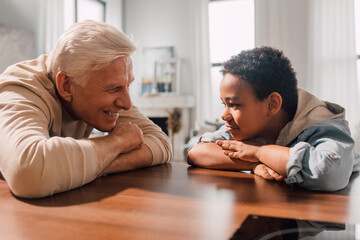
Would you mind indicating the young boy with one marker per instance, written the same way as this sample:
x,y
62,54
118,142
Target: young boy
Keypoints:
x,y
276,130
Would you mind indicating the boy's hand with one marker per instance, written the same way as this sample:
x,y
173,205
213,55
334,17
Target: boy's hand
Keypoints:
x,y
267,173
246,151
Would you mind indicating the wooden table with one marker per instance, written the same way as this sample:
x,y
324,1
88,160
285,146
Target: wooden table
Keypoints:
x,y
172,201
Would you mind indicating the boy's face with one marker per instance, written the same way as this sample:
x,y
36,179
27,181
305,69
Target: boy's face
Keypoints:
x,y
246,117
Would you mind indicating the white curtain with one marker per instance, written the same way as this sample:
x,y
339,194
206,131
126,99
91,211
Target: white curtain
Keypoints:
x,y
318,37
51,24
201,61
332,54
283,24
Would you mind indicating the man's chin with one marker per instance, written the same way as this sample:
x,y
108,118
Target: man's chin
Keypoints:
x,y
105,128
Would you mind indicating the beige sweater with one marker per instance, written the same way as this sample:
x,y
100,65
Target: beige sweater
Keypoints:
x,y
41,146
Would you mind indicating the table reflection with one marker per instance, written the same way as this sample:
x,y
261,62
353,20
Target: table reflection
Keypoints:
x,y
270,228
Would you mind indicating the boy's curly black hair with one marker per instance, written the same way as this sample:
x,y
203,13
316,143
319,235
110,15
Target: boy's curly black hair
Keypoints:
x,y
267,70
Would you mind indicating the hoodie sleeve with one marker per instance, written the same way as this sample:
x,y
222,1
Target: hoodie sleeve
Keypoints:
x,y
33,163
220,134
157,141
322,157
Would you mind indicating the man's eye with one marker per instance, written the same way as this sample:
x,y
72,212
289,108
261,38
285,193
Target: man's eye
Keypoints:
x,y
115,89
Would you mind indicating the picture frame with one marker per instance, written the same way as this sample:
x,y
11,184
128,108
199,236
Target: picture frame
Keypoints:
x,y
160,72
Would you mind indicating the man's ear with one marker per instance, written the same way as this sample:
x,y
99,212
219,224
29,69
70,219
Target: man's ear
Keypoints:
x,y
274,103
63,86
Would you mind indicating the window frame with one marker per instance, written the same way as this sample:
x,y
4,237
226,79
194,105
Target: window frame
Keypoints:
x,y
103,3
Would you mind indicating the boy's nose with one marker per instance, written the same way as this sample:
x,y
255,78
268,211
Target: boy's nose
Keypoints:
x,y
226,116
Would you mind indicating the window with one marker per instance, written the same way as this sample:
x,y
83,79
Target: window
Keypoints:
x,y
231,30
89,9
80,10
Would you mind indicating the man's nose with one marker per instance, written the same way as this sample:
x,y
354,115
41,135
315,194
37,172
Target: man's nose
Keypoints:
x,y
123,100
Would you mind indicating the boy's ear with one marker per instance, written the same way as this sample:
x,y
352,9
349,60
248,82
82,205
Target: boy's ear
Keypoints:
x,y
274,103
63,86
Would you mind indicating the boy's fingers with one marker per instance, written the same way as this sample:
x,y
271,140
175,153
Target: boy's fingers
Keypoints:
x,y
263,172
225,145
275,175
268,176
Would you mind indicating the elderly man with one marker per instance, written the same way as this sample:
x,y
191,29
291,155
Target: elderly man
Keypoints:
x,y
49,107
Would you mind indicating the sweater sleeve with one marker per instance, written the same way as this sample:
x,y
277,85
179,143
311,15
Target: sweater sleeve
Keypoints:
x,y
157,141
323,158
33,163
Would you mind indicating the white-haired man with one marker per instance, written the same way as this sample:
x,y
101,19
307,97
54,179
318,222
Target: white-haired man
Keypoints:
x,y
49,107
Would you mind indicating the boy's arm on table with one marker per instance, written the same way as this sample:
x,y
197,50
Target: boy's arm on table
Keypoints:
x,y
210,155
274,156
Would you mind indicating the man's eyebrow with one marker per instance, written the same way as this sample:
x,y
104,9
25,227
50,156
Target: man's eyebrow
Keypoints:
x,y
111,86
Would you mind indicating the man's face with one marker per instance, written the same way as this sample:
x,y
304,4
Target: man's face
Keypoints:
x,y
245,115
106,92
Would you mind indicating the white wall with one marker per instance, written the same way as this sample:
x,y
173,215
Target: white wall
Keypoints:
x,y
156,23
21,14
19,31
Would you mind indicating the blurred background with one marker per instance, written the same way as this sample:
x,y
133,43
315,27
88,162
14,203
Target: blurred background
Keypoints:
x,y
321,38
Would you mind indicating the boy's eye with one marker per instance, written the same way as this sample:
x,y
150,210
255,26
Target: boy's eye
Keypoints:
x,y
234,105
231,105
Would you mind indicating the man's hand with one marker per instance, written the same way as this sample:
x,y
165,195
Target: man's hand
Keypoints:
x,y
267,173
123,139
128,135
246,151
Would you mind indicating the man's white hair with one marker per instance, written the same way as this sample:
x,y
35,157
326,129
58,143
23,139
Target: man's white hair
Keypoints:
x,y
85,47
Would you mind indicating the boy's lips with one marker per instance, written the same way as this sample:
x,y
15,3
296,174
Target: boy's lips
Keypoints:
x,y
229,127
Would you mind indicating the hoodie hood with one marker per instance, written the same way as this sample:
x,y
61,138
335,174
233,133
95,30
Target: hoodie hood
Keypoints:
x,y
310,111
